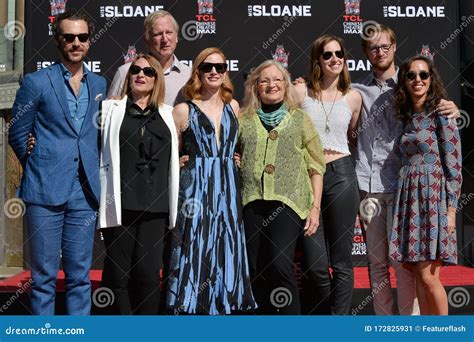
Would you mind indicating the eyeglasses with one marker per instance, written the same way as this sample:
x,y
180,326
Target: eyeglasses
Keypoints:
x,y
328,54
69,37
384,47
266,82
147,71
207,67
424,75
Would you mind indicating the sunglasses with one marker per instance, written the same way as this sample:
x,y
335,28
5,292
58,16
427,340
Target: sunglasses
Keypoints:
x,y
424,75
207,67
69,37
328,54
147,71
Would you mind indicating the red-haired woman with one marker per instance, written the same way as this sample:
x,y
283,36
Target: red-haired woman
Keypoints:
x,y
208,269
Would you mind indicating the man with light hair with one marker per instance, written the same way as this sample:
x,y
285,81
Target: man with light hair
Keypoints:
x,y
161,38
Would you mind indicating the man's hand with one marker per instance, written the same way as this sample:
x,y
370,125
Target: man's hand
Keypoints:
x,y
237,157
31,143
449,109
299,80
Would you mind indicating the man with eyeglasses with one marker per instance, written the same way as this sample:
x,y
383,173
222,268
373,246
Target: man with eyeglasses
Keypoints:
x,y
377,166
161,38
60,184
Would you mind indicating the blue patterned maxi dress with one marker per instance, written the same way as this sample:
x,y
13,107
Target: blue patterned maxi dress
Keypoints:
x,y
208,267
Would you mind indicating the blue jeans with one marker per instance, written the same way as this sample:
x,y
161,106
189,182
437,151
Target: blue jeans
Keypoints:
x,y
66,229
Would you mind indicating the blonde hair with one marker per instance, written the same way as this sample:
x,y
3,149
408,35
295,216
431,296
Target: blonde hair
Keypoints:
x,y
380,28
252,101
192,88
315,71
150,20
158,93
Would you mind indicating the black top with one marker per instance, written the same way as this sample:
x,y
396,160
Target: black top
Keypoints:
x,y
145,149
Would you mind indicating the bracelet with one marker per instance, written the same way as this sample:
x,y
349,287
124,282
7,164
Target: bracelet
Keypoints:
x,y
315,206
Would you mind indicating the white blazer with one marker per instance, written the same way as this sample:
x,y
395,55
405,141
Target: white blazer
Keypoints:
x,y
110,211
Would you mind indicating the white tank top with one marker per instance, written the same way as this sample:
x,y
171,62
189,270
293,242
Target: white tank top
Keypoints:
x,y
338,121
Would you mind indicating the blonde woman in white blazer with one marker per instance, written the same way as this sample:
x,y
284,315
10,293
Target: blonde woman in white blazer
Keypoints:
x,y
139,175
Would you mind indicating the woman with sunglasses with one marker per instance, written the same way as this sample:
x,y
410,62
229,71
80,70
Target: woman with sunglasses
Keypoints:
x,y
208,269
334,110
423,236
139,174
281,167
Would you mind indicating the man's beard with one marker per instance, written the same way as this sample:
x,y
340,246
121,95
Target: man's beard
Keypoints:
x,y
65,55
383,67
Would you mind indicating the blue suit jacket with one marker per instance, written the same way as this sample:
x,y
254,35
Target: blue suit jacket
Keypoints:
x,y
40,108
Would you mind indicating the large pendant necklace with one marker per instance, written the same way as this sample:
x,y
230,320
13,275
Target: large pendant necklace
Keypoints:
x,y
327,129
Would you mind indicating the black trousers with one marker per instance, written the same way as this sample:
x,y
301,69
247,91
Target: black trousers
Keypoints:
x,y
134,254
331,246
271,231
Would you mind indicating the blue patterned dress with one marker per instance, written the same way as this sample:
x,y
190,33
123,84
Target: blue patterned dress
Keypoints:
x,y
429,181
208,267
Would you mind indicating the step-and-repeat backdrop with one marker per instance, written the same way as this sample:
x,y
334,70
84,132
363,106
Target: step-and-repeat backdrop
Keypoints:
x,y
252,31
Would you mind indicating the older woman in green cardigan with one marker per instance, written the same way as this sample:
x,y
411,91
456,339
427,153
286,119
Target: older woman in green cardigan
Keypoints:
x,y
281,167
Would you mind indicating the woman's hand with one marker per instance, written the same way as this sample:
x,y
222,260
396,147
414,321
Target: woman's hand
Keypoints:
x,y
312,222
237,157
183,160
451,220
31,143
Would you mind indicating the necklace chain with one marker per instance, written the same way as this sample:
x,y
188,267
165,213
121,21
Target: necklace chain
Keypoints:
x,y
327,129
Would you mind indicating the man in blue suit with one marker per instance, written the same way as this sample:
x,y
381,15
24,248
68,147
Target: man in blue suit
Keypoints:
x,y
60,184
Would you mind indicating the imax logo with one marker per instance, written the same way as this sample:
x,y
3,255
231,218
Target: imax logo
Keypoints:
x,y
279,11
128,11
413,11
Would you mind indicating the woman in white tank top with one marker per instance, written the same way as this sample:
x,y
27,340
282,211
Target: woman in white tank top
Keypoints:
x,y
334,109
